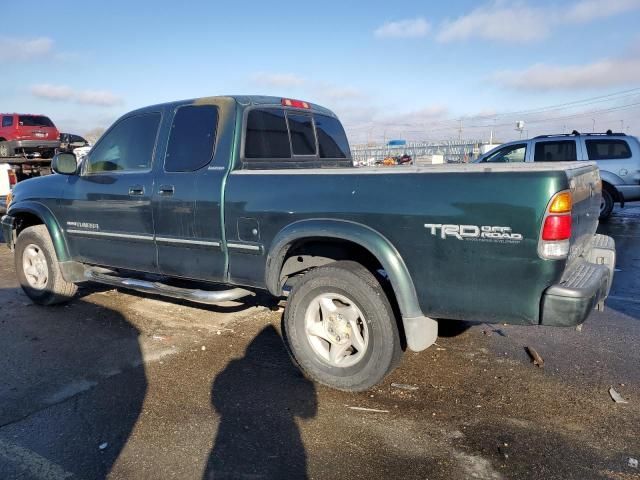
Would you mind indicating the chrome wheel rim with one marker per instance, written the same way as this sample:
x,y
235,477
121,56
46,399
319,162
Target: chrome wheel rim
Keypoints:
x,y
336,330
34,266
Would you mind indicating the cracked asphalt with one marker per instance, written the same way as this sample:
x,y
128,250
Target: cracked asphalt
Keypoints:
x,y
122,385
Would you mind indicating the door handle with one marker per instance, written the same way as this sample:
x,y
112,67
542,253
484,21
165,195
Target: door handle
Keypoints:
x,y
166,189
136,190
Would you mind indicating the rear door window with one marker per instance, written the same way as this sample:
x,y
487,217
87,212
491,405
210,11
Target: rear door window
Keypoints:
x,y
7,121
607,149
509,154
192,138
267,135
555,151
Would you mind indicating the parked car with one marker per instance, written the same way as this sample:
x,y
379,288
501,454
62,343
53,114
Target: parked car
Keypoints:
x,y
261,193
27,135
7,181
617,156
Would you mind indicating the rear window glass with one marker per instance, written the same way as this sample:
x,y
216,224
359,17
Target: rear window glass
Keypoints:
x,y
192,138
558,151
267,135
607,149
34,121
332,140
303,141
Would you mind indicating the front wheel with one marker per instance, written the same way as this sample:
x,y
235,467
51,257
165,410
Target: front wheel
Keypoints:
x,y
340,327
37,268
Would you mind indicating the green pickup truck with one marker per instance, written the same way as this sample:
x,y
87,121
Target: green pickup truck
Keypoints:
x,y
211,199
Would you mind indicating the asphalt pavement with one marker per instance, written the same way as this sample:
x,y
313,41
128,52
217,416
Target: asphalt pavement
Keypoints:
x,y
122,385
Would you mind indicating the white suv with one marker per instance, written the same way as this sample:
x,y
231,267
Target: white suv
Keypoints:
x,y
617,155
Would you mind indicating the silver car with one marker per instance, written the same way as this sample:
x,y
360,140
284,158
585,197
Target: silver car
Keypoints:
x,y
617,155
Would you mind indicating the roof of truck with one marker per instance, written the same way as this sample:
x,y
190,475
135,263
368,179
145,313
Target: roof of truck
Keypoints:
x,y
243,101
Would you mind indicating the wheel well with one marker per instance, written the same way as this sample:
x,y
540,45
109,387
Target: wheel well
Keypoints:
x,y
306,254
25,220
613,191
303,255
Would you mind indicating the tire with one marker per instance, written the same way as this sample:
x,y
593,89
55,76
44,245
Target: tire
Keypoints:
x,y
34,250
606,207
4,149
355,303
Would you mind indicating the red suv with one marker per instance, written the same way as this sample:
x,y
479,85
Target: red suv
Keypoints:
x,y
26,135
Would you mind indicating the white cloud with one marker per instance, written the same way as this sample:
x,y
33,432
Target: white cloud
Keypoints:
x,y
63,93
342,94
409,28
589,10
603,73
278,80
24,49
518,23
523,23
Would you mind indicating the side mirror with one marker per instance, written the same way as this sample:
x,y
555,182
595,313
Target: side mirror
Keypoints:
x,y
64,164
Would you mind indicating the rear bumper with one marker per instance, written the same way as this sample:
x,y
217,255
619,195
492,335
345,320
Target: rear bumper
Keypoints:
x,y
585,286
630,193
34,145
7,222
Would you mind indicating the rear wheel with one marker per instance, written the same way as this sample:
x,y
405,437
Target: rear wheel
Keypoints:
x,y
37,268
340,327
606,204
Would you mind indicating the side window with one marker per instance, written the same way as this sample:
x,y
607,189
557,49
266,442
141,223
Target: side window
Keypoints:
x,y
192,138
303,140
509,154
128,146
606,149
332,141
267,135
555,151
7,121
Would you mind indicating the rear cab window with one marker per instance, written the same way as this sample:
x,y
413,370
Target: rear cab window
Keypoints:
x,y
555,151
607,149
281,138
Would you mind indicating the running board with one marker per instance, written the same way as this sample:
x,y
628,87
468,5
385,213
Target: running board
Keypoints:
x,y
193,295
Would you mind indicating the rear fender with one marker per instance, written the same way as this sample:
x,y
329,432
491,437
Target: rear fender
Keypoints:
x,y
420,331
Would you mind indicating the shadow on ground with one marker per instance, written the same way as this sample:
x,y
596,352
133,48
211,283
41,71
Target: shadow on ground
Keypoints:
x,y
71,388
258,398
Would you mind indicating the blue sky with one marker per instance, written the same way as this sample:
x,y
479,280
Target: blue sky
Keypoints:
x,y
403,68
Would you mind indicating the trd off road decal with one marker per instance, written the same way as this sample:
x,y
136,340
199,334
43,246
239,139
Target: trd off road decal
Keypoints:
x,y
483,233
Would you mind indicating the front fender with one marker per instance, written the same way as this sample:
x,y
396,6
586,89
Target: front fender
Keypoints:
x,y
420,331
46,216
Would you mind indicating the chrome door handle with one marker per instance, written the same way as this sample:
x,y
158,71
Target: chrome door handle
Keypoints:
x,y
166,189
136,190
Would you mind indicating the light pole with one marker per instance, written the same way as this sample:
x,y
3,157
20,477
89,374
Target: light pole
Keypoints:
x,y
593,129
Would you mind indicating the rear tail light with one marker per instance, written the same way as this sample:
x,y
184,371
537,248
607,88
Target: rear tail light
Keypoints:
x,y
12,178
556,229
288,102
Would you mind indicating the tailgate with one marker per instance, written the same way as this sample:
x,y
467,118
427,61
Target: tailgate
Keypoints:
x,y
586,189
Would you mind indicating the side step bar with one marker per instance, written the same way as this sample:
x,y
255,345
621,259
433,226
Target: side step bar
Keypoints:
x,y
193,295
